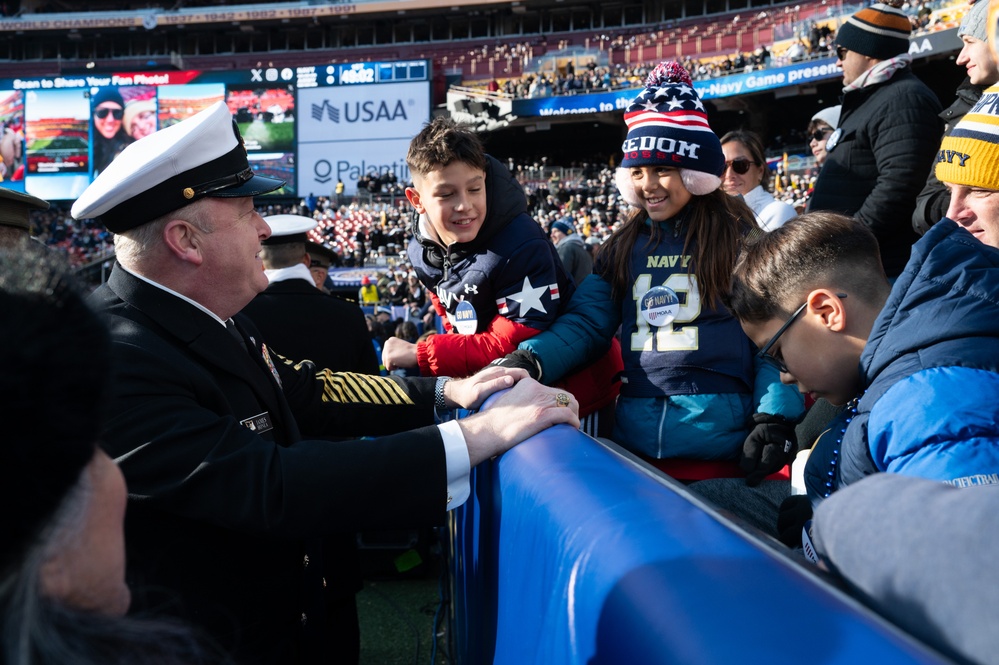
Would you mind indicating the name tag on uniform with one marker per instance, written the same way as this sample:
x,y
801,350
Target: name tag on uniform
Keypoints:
x,y
259,423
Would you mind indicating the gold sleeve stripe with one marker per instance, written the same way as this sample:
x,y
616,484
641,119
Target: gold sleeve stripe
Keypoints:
x,y
351,388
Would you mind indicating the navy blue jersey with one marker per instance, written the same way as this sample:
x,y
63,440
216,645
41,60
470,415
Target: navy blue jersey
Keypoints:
x,y
672,342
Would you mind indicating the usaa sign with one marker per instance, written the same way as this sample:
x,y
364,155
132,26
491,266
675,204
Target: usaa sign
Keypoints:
x,y
364,112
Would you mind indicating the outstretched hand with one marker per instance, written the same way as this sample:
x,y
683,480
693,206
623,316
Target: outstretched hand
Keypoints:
x,y
471,392
398,354
520,413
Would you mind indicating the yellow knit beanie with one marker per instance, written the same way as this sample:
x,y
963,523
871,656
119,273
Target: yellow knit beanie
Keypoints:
x,y
970,154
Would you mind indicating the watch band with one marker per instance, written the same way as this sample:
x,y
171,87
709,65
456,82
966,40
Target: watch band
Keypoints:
x,y
439,393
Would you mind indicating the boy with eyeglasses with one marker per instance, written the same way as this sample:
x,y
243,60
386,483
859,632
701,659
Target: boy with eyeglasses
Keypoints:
x,y
916,365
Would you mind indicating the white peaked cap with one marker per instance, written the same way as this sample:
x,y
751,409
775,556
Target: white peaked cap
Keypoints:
x,y
289,228
200,156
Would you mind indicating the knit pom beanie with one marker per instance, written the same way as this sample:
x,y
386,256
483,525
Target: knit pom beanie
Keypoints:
x,y
880,31
668,126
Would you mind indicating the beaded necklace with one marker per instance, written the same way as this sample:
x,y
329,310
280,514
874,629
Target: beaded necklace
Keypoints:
x,y
851,411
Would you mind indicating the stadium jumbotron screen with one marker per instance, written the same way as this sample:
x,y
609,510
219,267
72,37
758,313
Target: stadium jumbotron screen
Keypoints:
x,y
309,125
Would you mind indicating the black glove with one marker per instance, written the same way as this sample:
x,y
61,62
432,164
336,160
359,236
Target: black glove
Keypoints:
x,y
791,518
524,360
767,448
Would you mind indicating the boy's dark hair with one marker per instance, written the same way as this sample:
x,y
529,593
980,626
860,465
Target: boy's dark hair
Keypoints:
x,y
442,141
815,250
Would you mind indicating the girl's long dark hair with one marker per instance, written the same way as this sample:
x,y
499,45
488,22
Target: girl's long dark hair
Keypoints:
x,y
718,222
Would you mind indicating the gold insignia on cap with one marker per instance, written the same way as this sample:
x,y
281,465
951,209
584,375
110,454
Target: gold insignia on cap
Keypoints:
x,y
188,193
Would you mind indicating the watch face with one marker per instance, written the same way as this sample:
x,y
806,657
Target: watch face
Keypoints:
x,y
833,139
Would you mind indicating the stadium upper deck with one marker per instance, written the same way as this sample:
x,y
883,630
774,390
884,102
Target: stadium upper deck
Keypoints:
x,y
460,37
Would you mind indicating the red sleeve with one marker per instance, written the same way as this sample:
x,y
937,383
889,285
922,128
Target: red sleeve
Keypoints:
x,y
462,355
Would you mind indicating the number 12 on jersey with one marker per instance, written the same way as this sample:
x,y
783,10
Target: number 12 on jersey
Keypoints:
x,y
660,308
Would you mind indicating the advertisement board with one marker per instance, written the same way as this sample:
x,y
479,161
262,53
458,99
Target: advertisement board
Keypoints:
x,y
346,120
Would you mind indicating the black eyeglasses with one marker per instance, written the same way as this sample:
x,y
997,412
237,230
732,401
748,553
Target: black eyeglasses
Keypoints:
x,y
774,360
820,134
841,52
103,113
740,165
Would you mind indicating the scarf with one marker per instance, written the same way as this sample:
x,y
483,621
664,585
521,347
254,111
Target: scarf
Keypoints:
x,y
880,72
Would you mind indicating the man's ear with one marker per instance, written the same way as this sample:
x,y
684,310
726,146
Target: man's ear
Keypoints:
x,y
414,198
307,261
183,240
828,308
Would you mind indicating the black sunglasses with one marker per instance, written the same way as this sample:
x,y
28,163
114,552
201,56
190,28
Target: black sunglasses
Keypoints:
x,y
819,134
103,113
841,52
763,354
740,165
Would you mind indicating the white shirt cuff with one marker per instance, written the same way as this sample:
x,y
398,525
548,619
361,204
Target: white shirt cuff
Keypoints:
x,y
458,466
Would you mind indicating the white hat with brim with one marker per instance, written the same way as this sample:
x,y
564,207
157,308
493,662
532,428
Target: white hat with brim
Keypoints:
x,y
169,169
289,228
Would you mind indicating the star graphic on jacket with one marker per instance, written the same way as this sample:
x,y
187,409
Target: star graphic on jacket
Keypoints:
x,y
529,297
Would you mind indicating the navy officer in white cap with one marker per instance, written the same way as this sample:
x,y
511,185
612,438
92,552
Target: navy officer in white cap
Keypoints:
x,y
296,318
231,488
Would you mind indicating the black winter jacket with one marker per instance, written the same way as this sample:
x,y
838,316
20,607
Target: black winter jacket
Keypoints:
x,y
889,134
933,201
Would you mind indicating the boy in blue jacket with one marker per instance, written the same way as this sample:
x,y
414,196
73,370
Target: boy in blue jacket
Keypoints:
x,y
916,364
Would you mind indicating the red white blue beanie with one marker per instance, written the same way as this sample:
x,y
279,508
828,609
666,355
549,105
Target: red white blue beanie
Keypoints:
x,y
668,126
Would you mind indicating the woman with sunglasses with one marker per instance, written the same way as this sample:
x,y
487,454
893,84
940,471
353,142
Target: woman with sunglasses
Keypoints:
x,y
691,388
746,174
822,125
109,136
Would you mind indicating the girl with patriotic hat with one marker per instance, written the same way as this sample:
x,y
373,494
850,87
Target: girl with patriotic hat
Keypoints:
x,y
691,386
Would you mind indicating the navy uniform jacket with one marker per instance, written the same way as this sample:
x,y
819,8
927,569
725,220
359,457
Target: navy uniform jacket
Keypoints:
x,y
227,502
299,321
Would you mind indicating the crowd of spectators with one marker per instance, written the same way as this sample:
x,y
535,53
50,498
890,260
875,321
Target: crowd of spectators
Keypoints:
x,y
372,228
82,241
812,39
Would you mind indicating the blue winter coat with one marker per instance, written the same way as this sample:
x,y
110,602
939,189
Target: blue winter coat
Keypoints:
x,y
931,372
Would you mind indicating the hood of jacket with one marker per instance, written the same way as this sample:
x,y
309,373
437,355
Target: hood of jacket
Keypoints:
x,y
946,294
505,200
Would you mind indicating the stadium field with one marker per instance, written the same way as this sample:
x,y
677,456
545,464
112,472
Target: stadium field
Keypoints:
x,y
58,143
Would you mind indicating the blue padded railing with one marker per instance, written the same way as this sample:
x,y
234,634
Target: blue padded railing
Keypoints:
x,y
571,551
